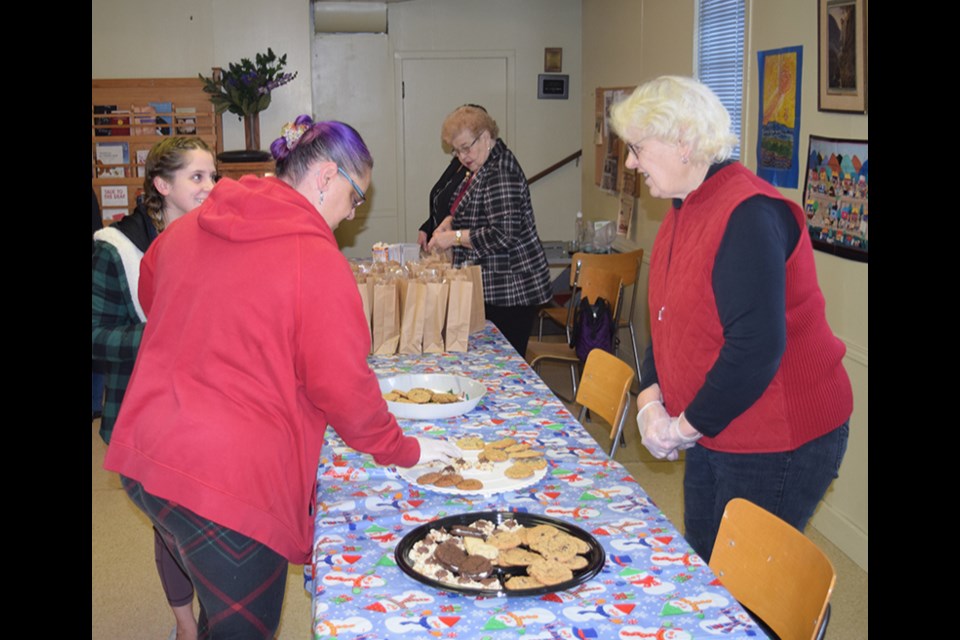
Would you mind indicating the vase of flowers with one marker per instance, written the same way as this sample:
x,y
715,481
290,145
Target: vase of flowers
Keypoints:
x,y
245,88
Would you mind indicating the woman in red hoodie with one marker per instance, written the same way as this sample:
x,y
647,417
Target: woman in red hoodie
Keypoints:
x,y
256,343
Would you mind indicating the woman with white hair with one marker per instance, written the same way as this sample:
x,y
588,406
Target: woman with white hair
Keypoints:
x,y
743,371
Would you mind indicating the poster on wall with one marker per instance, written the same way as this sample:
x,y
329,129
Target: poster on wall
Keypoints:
x,y
835,197
778,137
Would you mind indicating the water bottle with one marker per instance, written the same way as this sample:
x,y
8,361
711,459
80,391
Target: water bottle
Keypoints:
x,y
577,242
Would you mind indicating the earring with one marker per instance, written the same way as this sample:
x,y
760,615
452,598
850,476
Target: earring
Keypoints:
x,y
684,159
320,201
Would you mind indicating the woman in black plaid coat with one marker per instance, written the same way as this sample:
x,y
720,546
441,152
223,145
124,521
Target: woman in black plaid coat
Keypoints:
x,y
491,223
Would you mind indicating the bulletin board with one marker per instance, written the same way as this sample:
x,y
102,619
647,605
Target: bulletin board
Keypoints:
x,y
611,152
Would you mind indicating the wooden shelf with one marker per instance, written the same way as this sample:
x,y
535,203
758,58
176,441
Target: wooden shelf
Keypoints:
x,y
190,114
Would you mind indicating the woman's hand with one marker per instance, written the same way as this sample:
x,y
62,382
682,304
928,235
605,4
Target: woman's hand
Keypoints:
x,y
442,240
422,241
446,225
435,450
662,435
446,239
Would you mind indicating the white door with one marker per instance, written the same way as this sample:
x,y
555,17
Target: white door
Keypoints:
x,y
432,87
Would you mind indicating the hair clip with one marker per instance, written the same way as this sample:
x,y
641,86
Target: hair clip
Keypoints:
x,y
291,133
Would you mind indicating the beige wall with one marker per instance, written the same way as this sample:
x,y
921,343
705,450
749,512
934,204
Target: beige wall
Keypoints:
x,y
626,42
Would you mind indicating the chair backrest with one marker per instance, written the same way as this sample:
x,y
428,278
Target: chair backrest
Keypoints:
x,y
773,570
605,386
626,264
596,283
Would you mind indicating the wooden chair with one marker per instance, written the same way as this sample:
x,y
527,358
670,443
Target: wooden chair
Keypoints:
x,y
628,266
773,570
605,391
593,283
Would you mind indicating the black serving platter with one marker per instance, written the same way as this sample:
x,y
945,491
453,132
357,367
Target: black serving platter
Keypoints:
x,y
595,556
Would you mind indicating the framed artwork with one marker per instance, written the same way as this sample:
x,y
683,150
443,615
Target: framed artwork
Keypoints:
x,y
835,197
611,152
553,60
842,44
778,139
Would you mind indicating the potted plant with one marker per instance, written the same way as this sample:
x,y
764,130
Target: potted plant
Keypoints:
x,y
245,89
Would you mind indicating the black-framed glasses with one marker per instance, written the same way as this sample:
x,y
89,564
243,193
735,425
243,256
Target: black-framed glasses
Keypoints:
x,y
462,151
363,196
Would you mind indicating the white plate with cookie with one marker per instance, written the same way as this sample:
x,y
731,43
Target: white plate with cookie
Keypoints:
x,y
481,471
435,396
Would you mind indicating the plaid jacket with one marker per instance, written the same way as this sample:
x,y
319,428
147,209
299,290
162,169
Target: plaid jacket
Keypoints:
x,y
497,210
117,329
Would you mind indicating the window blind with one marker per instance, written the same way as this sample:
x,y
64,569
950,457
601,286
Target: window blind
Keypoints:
x,y
720,36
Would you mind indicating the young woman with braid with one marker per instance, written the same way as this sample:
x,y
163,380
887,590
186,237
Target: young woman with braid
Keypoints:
x,y
179,174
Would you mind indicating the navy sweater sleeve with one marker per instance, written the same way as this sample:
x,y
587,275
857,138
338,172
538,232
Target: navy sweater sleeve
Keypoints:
x,y
749,284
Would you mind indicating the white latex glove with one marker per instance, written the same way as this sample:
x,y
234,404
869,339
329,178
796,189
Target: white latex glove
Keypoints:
x,y
679,426
654,424
432,449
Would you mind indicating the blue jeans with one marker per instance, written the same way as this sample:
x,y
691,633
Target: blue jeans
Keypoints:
x,y
788,484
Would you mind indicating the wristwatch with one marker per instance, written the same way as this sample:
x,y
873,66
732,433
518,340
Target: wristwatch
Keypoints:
x,y
459,237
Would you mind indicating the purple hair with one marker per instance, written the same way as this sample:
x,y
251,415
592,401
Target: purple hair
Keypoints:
x,y
330,140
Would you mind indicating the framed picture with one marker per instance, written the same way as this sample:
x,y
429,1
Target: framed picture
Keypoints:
x,y
842,46
553,60
835,197
778,138
553,86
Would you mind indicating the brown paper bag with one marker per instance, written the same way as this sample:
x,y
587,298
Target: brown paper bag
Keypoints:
x,y
366,298
435,316
413,298
457,330
478,316
386,318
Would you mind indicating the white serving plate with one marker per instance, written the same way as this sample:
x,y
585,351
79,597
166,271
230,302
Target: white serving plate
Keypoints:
x,y
494,480
473,391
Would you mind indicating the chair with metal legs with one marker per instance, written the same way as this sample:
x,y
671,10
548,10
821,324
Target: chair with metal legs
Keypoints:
x,y
605,391
628,266
593,283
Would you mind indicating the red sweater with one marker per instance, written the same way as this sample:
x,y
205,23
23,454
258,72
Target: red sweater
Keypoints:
x,y
810,394
256,340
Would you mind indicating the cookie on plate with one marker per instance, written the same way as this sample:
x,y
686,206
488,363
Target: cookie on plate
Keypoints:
x,y
518,471
470,484
550,572
470,443
515,583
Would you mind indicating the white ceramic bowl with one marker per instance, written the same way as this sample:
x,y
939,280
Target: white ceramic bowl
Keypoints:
x,y
473,391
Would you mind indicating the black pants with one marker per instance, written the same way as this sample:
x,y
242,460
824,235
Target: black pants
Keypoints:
x,y
515,323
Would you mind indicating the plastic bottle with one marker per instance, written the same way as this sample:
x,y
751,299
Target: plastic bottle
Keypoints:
x,y
578,234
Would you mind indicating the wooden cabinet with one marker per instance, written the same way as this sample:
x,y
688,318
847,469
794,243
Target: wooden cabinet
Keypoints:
x,y
144,110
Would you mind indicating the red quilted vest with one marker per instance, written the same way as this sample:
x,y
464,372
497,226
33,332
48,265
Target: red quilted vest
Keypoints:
x,y
810,394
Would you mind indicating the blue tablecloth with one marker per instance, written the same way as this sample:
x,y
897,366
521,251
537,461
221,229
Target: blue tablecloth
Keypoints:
x,y
652,585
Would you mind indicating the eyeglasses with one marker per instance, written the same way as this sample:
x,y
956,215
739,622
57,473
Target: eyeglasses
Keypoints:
x,y
635,148
462,151
363,196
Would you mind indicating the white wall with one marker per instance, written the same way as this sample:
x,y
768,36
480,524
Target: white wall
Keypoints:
x,y
361,87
